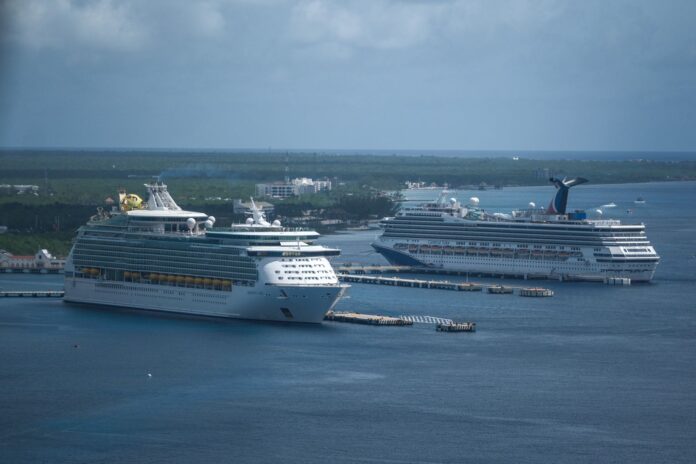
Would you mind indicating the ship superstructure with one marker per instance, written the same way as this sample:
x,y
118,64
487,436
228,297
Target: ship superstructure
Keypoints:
x,y
530,243
154,255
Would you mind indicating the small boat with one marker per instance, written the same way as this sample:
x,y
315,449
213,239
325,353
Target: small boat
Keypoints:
x,y
639,201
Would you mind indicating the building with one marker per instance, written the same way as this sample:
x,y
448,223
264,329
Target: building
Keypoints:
x,y
298,186
18,189
41,260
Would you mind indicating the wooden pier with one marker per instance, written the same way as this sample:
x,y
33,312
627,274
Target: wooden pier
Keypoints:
x,y
366,319
32,293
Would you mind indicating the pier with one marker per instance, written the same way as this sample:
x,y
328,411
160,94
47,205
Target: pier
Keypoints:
x,y
32,293
443,285
366,319
414,283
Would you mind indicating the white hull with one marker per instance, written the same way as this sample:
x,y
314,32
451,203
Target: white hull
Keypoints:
x,y
267,302
572,269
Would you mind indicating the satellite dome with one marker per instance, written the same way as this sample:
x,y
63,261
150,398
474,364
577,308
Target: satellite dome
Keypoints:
x,y
212,219
250,221
190,223
599,211
208,224
276,223
532,205
474,201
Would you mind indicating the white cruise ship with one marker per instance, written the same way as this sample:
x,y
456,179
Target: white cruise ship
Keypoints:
x,y
153,255
531,243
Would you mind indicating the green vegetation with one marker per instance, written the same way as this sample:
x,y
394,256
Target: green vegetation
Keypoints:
x,y
58,243
87,177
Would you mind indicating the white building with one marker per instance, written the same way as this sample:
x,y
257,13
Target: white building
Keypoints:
x,y
41,260
298,186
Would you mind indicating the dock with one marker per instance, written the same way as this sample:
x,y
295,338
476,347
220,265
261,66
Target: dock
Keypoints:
x,y
442,285
366,319
414,283
32,293
536,292
500,290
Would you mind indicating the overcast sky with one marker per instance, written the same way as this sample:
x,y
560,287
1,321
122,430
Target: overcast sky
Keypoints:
x,y
448,74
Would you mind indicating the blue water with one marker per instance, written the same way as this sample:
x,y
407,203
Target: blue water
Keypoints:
x,y
596,373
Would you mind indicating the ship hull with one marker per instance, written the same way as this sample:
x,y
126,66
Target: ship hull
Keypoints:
x,y
281,303
526,268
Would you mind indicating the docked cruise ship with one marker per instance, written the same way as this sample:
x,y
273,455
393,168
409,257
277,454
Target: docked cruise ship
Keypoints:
x,y
153,255
530,243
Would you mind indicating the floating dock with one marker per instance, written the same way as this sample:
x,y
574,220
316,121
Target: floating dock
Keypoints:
x,y
536,292
367,319
33,293
457,327
500,290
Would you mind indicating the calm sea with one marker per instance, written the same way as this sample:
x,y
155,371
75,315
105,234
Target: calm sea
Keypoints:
x,y
594,374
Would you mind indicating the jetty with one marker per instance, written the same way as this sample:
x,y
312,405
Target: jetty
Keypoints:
x,y
32,293
414,283
442,285
366,319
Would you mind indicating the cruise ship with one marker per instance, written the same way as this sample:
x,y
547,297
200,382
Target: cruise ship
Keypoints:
x,y
531,243
153,255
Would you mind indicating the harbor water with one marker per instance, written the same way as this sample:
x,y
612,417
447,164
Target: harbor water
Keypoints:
x,y
596,373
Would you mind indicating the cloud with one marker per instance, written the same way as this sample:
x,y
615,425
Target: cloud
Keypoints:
x,y
377,24
101,24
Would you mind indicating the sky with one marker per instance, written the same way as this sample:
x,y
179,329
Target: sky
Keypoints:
x,y
370,74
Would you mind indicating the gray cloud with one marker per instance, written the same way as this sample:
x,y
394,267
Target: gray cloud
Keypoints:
x,y
515,74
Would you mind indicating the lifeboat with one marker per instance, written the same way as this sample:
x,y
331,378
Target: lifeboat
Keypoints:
x,y
226,284
171,279
94,272
207,282
153,276
190,280
135,276
198,281
127,275
180,279
217,282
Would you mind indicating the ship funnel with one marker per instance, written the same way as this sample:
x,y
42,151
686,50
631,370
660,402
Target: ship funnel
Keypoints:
x,y
560,201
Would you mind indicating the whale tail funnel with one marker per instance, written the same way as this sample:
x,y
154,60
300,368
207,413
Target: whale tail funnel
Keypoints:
x,y
560,201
